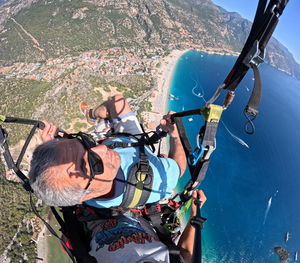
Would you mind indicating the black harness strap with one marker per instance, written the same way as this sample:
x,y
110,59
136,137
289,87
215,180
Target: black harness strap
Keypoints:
x,y
140,181
197,222
10,162
252,54
264,24
24,148
5,149
79,239
123,145
208,133
182,133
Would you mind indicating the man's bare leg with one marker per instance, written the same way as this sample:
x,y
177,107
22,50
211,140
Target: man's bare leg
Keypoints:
x,y
112,108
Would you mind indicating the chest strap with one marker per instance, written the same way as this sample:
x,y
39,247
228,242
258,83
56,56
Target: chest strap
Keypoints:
x,y
140,178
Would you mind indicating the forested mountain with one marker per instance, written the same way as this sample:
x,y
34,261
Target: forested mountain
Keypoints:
x,y
36,30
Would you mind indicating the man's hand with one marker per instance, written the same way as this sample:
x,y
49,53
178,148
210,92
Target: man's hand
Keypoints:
x,y
176,151
197,195
167,125
48,132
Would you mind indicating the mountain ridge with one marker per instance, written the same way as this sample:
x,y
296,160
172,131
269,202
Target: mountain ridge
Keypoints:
x,y
168,23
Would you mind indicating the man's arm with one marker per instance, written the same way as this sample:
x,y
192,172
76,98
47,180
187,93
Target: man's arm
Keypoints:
x,y
176,149
186,241
177,153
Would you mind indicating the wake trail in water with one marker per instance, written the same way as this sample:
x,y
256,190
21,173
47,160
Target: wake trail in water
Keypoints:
x,y
267,210
269,206
239,140
200,95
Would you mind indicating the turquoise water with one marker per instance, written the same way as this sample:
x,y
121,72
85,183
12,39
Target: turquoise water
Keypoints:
x,y
253,182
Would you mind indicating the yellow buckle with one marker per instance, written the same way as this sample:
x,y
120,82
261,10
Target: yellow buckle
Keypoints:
x,y
214,113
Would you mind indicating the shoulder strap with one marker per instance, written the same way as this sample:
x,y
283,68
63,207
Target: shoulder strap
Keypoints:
x,y
140,178
139,182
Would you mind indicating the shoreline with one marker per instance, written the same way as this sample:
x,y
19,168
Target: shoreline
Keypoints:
x,y
164,79
42,247
160,94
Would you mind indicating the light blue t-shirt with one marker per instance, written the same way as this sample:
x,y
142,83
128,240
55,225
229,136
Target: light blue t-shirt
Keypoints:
x,y
165,175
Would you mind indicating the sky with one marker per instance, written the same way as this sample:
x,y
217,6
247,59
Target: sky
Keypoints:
x,y
287,30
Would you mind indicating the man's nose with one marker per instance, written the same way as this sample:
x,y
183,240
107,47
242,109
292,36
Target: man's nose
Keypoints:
x,y
100,149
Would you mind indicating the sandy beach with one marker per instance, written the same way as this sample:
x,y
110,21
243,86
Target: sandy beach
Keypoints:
x,y
164,80
159,97
42,246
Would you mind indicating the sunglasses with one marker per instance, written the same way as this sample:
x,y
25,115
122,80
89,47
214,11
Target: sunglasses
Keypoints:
x,y
94,160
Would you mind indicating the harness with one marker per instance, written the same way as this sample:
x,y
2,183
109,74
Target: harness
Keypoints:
x,y
140,179
162,217
73,226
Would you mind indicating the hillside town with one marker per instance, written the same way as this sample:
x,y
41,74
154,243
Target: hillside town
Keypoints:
x,y
104,63
115,61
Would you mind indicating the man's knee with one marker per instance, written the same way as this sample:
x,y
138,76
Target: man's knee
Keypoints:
x,y
118,97
118,105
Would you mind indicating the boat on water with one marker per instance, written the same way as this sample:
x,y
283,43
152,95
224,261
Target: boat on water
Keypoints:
x,y
296,256
173,97
287,236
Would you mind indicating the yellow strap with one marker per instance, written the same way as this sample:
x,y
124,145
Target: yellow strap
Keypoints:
x,y
138,189
186,207
214,113
2,118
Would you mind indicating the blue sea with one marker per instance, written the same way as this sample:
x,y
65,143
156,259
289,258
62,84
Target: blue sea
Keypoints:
x,y
253,181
